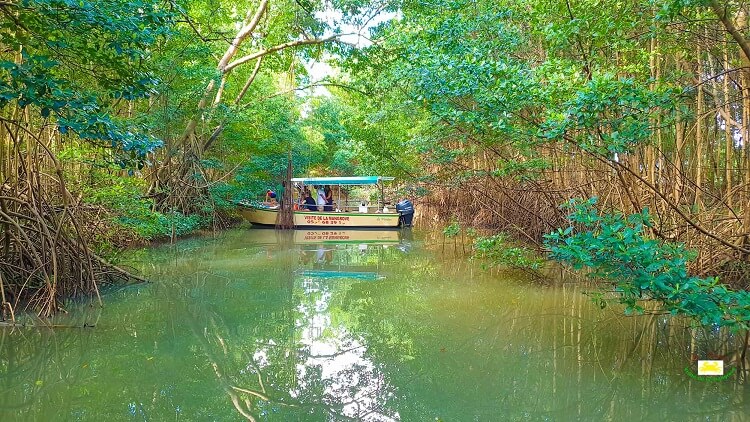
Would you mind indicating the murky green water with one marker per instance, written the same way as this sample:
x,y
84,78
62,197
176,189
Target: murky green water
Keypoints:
x,y
248,325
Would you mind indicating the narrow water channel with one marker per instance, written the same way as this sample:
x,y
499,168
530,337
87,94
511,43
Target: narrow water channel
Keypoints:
x,y
373,326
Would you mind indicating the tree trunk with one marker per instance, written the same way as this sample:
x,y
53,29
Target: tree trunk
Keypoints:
x,y
699,134
728,138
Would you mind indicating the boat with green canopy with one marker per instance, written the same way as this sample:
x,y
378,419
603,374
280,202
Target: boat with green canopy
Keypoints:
x,y
341,212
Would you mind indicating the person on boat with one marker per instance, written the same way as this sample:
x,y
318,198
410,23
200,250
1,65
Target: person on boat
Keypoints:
x,y
328,198
302,191
309,204
270,200
321,198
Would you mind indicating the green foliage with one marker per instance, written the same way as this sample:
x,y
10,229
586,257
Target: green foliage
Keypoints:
x,y
511,77
330,119
256,144
131,212
498,250
75,57
452,230
363,138
617,249
521,170
611,114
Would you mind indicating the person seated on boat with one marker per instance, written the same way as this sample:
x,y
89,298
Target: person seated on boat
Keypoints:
x,y
328,197
363,207
309,204
270,200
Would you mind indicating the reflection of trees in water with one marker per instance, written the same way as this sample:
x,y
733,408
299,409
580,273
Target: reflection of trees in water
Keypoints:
x,y
35,364
230,333
527,352
196,318
257,361
352,383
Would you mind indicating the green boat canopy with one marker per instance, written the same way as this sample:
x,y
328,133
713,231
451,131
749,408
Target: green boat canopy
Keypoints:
x,y
355,180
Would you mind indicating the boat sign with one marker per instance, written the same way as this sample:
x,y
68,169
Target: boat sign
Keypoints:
x,y
327,219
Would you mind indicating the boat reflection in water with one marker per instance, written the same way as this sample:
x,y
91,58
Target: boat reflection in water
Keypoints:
x,y
306,237
330,264
365,237
357,253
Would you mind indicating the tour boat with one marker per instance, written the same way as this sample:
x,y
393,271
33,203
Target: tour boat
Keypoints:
x,y
346,214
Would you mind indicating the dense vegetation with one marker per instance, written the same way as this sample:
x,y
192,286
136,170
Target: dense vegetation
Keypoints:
x,y
638,110
130,121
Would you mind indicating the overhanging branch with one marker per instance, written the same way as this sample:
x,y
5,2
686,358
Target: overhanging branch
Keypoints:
x,y
280,47
721,13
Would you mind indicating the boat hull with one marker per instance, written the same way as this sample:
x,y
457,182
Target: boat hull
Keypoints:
x,y
322,219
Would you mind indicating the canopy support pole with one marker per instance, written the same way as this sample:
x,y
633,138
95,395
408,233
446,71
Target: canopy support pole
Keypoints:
x,y
381,202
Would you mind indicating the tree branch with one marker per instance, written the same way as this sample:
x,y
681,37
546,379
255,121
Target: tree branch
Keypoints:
x,y
279,47
241,35
237,100
721,13
249,82
616,164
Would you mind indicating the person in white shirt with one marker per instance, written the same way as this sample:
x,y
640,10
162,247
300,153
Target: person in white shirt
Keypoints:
x,y
321,198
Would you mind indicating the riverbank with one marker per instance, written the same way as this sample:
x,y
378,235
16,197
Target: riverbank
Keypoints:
x,y
72,252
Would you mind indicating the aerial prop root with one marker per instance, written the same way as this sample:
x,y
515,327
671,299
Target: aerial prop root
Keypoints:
x,y
45,258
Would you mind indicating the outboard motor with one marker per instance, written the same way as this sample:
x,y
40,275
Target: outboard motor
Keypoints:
x,y
405,210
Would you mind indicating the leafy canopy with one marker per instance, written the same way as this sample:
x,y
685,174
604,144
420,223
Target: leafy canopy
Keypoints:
x,y
75,57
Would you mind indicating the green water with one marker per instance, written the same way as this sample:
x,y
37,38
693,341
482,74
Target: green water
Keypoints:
x,y
248,325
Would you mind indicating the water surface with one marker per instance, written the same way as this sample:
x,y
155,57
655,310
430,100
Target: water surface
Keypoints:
x,y
329,326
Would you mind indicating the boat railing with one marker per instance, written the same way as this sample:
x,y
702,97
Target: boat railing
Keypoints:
x,y
354,207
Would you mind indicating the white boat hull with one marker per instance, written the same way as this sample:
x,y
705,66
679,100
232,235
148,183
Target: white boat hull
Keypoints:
x,y
322,219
